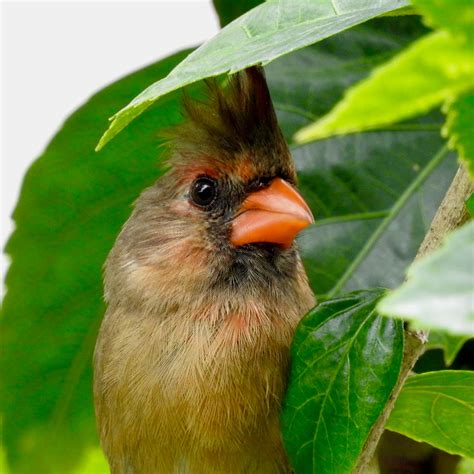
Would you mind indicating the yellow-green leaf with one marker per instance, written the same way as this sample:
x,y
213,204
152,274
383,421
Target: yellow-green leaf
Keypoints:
x,y
437,408
431,70
456,16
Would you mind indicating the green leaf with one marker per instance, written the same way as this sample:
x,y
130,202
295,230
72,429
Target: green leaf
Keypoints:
x,y
460,128
457,16
437,408
372,208
450,344
72,205
229,10
439,292
73,202
432,70
263,34
345,363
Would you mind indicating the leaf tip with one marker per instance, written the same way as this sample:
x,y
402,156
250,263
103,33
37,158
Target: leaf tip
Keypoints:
x,y
307,134
104,139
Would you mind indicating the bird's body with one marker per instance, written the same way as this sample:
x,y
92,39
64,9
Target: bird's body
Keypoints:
x,y
192,357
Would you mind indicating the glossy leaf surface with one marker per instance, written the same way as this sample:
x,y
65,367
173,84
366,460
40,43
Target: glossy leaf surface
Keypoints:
x,y
437,408
345,363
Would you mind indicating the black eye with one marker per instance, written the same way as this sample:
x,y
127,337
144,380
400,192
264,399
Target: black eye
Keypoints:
x,y
204,191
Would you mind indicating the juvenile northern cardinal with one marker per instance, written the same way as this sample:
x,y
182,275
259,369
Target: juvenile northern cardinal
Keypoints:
x,y
205,287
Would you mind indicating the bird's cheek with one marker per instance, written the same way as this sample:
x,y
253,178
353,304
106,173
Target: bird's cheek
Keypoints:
x,y
167,267
182,208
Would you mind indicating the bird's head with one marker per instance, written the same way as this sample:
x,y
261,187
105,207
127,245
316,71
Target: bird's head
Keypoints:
x,y
225,215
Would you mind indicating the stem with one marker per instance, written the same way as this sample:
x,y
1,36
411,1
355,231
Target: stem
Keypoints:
x,y
451,214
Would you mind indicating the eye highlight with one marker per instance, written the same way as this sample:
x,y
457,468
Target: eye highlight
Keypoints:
x,y
203,191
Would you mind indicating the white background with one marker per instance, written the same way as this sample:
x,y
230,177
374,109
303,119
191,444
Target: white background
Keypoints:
x,y
56,54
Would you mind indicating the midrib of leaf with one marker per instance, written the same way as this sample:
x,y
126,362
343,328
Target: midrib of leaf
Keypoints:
x,y
394,211
363,216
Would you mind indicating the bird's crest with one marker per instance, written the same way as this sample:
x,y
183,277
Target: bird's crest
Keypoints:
x,y
235,120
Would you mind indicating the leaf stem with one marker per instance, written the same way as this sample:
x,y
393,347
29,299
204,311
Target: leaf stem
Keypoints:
x,y
394,211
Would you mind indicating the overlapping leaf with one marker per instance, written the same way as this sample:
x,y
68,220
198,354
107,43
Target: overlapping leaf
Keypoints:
x,y
345,363
437,408
263,34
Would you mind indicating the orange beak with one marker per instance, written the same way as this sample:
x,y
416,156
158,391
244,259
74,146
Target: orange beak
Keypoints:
x,y
273,215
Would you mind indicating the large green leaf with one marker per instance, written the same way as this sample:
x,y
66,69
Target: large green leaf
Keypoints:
x,y
432,70
372,208
270,30
73,202
345,363
438,408
439,293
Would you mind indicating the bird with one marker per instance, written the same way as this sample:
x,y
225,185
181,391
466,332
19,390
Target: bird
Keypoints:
x,y
204,288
